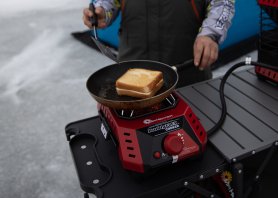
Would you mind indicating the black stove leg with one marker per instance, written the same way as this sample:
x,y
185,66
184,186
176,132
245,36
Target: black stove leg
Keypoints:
x,y
237,172
261,169
200,190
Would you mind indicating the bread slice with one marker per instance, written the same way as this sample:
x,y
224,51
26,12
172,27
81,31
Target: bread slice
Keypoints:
x,y
139,80
137,94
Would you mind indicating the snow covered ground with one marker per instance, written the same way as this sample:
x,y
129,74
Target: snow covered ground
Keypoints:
x,y
43,72
17,7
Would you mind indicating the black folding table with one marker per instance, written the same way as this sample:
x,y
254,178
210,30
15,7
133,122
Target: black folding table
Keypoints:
x,y
251,126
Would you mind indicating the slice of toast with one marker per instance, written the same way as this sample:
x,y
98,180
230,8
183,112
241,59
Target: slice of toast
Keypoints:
x,y
137,94
139,80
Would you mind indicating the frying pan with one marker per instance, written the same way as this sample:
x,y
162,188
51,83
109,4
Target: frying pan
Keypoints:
x,y
101,84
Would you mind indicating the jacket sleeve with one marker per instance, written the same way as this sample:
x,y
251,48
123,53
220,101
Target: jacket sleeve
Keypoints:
x,y
111,8
218,19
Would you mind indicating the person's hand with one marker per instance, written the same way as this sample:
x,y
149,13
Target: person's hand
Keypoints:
x,y
87,14
205,52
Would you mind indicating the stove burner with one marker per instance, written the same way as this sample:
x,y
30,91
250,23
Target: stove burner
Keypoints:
x,y
167,103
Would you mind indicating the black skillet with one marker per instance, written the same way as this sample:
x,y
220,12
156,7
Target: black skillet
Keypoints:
x,y
101,84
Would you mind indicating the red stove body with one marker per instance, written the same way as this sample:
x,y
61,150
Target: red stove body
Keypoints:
x,y
149,138
267,74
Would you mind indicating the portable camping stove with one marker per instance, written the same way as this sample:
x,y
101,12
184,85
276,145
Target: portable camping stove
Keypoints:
x,y
268,40
161,135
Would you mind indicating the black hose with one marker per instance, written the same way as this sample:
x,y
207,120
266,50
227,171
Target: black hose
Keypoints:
x,y
221,91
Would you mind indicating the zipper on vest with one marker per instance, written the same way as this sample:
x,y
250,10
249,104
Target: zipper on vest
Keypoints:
x,y
195,10
147,28
123,26
159,28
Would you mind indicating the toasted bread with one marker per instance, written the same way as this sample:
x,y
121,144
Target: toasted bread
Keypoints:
x,y
139,80
137,94
139,83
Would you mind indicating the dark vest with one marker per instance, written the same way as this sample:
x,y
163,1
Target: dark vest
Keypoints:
x,y
160,30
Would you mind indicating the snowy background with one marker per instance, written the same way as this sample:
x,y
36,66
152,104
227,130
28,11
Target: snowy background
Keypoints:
x,y
16,7
43,72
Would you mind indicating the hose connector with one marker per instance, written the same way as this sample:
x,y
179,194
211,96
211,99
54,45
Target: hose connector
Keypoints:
x,y
248,60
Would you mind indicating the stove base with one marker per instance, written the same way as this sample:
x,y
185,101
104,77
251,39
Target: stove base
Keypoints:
x,y
105,176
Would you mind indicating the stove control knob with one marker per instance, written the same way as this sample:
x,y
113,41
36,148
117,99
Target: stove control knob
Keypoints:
x,y
173,144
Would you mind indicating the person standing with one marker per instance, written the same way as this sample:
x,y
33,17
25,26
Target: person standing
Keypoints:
x,y
169,31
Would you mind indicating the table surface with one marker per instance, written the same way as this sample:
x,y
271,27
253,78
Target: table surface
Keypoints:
x,y
251,124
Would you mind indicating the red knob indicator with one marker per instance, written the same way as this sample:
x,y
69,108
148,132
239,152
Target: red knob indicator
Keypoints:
x,y
157,155
173,144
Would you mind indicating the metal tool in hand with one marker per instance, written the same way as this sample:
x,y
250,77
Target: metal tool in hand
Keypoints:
x,y
103,48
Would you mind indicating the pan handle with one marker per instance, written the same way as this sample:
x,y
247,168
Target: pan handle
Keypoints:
x,y
183,65
94,19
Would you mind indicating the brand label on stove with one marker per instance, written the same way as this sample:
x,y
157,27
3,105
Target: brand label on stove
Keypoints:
x,y
148,121
164,127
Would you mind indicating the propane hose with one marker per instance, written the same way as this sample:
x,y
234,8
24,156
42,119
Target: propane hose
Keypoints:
x,y
247,62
